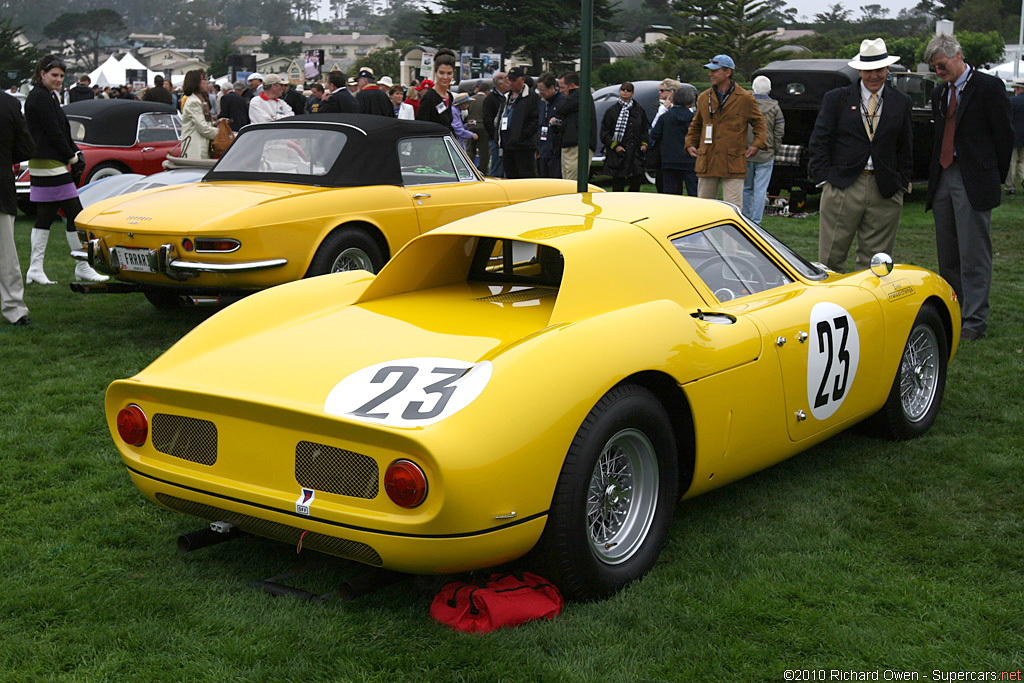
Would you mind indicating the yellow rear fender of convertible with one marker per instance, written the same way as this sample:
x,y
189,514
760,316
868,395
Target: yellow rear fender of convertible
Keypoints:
x,y
525,189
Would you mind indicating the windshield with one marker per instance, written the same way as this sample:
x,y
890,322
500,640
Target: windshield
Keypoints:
x,y
298,151
798,262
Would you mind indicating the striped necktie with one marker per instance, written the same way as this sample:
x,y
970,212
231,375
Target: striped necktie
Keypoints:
x,y
869,119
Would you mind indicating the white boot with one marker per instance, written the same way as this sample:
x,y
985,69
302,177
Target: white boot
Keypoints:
x,y
83,271
35,266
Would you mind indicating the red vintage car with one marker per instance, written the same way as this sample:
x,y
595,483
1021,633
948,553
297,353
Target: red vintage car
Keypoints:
x,y
116,136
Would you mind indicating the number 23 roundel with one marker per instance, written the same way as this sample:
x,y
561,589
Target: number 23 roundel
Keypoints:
x,y
832,358
412,392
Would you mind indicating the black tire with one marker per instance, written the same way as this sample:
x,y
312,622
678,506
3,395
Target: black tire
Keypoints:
x,y
346,249
166,301
629,430
103,171
916,394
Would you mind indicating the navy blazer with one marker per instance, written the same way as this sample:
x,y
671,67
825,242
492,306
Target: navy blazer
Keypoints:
x,y
983,141
840,147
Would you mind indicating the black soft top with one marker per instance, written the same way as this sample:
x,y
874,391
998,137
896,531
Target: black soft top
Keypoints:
x,y
113,122
370,155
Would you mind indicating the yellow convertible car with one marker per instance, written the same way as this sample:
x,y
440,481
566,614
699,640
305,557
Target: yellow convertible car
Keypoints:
x,y
304,196
504,387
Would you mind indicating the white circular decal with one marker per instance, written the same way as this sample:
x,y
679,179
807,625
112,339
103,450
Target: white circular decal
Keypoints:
x,y
831,359
412,392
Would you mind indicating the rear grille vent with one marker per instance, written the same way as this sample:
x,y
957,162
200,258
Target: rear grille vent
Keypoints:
x,y
333,470
186,438
519,295
350,550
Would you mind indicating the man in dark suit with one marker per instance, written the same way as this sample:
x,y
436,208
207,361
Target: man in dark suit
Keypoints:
x,y
15,146
371,99
861,154
970,158
1016,173
340,100
233,107
517,127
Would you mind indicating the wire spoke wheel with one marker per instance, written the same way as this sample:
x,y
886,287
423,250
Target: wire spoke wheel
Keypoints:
x,y
352,258
622,497
919,376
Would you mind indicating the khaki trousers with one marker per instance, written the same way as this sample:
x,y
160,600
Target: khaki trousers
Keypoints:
x,y
732,189
857,211
1016,172
571,162
12,286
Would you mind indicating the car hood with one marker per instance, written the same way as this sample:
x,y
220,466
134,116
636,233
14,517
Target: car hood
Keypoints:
x,y
161,209
290,346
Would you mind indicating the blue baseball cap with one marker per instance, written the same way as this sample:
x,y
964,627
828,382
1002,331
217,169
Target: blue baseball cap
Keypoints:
x,y
718,61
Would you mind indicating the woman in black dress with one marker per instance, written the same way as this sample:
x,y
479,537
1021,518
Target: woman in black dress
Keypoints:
x,y
436,102
52,182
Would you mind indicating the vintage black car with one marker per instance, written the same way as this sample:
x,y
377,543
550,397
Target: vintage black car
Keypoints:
x,y
799,86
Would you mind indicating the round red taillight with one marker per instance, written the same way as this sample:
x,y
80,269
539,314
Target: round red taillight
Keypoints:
x,y
132,425
405,483
187,244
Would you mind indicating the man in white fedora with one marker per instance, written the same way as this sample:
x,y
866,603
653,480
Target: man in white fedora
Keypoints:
x,y
861,157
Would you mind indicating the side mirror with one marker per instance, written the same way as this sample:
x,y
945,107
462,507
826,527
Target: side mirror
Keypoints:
x,y
881,264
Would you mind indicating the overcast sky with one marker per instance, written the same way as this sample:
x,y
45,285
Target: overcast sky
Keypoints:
x,y
808,8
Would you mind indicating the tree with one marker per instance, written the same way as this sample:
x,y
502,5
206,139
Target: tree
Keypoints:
x,y
85,33
15,57
982,49
872,12
275,47
739,29
383,62
217,53
540,29
836,16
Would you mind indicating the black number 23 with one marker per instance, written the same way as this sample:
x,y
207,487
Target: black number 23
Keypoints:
x,y
825,338
414,409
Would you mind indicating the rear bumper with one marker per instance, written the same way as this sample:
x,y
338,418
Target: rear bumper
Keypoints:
x,y
164,260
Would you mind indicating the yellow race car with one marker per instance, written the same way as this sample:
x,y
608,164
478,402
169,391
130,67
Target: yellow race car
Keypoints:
x,y
504,385
303,196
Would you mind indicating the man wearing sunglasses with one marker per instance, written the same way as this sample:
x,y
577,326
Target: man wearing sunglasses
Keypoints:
x,y
970,160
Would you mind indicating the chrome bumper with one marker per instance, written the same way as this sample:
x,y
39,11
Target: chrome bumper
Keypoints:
x,y
164,260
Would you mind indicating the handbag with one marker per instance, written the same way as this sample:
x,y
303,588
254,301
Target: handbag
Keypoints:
x,y
225,136
495,602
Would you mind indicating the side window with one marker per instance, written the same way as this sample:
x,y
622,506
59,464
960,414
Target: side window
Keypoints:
x,y
158,128
728,263
461,165
425,161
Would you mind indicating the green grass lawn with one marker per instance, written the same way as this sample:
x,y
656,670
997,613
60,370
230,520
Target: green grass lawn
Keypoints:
x,y
859,554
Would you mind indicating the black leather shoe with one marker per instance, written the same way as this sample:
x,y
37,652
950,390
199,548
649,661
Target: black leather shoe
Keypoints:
x,y
971,335
23,320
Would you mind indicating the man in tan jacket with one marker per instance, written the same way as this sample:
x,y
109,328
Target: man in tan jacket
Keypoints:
x,y
718,133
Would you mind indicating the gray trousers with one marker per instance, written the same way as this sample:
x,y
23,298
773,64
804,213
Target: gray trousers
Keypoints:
x,y
12,287
964,247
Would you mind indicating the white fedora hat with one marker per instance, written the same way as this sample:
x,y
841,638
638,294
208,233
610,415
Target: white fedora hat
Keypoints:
x,y
873,55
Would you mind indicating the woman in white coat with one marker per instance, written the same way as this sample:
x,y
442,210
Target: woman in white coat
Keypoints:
x,y
402,110
197,128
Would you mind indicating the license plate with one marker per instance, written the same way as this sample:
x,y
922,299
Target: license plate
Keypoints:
x,y
134,259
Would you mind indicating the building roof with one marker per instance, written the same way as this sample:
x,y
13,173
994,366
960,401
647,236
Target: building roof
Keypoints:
x,y
318,39
621,49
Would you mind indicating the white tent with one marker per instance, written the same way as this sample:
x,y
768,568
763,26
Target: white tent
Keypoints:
x,y
1005,71
112,71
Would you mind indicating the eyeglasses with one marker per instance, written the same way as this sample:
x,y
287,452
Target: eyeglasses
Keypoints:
x,y
53,64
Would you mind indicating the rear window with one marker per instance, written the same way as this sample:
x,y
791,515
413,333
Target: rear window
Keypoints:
x,y
277,150
516,262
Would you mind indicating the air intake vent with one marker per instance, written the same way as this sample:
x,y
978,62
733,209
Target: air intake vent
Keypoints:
x,y
520,295
186,438
350,550
334,470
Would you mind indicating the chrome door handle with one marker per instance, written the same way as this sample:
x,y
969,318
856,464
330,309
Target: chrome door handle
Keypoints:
x,y
149,149
421,195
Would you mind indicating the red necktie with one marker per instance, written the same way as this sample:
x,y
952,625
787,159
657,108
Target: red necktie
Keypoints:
x,y
946,157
